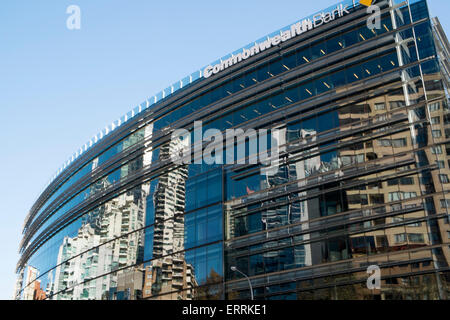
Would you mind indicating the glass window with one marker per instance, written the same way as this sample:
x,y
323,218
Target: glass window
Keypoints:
x,y
322,85
388,62
354,74
437,133
334,44
416,237
435,106
276,67
436,150
307,91
338,79
263,73
303,56
200,267
214,263
190,238
290,61
445,203
292,95
203,226
318,51
256,265
148,248
214,230
350,38
435,120
397,104
380,106
399,238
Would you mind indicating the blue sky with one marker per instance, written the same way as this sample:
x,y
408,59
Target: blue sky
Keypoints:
x,y
59,87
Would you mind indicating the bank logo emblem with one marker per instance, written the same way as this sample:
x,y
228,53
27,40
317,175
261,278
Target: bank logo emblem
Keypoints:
x,y
366,3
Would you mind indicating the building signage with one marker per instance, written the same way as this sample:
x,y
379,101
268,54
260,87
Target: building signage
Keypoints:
x,y
295,30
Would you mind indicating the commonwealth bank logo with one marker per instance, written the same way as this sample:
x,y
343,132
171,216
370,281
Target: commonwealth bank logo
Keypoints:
x,y
366,3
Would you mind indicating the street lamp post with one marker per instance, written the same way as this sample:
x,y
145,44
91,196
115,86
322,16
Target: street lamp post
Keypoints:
x,y
233,268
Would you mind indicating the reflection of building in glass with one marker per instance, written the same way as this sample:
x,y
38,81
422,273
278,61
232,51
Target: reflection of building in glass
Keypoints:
x,y
115,219
363,179
18,285
169,272
33,289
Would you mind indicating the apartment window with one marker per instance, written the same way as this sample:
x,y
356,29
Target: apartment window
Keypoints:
x,y
382,241
445,203
375,185
380,106
399,238
437,133
395,196
396,143
358,199
407,181
436,150
381,118
396,104
384,143
360,158
446,119
416,237
448,234
435,120
348,160
393,182
435,106
443,178
377,198
409,195
440,164
414,225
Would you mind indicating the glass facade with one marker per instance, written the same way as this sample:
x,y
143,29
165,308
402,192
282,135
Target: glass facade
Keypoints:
x,y
362,180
